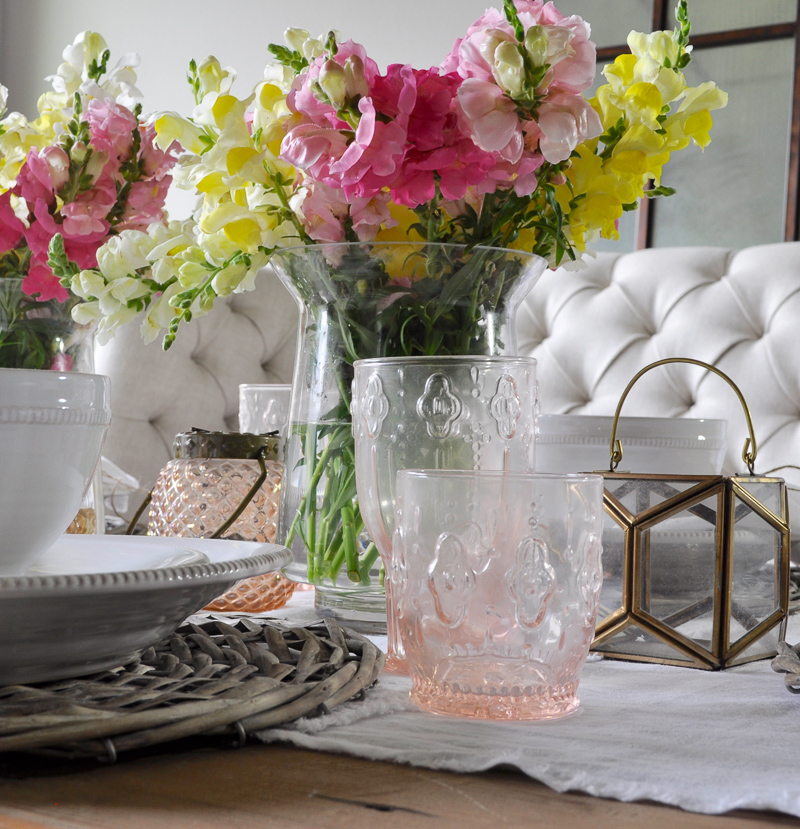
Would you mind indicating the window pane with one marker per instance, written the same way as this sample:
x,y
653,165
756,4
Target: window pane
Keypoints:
x,y
733,194
723,15
610,22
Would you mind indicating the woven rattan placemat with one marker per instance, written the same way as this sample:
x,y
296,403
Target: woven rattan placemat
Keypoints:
x,y
209,678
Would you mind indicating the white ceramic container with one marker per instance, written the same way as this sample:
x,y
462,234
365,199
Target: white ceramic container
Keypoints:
x,y
52,426
668,445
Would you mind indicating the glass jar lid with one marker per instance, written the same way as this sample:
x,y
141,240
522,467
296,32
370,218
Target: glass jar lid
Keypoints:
x,y
199,443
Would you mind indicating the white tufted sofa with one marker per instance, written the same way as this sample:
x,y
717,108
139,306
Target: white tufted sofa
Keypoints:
x,y
591,331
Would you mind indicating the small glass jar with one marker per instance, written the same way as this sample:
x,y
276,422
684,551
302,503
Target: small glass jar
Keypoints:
x,y
197,492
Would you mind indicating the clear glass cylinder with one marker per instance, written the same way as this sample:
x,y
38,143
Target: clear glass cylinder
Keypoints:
x,y
360,300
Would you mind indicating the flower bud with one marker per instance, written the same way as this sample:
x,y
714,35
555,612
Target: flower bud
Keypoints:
x,y
78,152
295,38
492,39
333,81
536,43
509,68
356,79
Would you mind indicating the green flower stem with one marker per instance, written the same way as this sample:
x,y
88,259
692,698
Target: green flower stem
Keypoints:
x,y
334,555
369,558
350,543
312,490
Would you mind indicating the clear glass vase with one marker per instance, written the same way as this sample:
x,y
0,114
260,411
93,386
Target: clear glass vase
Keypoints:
x,y
360,300
41,335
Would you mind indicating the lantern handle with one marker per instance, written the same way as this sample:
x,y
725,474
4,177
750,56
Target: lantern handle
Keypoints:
x,y
750,449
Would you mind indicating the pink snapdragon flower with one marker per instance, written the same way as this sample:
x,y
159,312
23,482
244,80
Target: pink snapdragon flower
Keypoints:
x,y
368,215
111,127
40,282
324,210
492,117
10,226
571,54
565,121
145,203
515,129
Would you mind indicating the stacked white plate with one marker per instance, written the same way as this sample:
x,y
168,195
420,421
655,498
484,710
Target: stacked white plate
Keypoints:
x,y
95,602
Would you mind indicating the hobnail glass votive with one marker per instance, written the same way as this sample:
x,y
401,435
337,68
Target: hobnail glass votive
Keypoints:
x,y
264,408
496,580
443,412
201,488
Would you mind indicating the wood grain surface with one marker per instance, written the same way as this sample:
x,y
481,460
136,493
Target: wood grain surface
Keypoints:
x,y
281,787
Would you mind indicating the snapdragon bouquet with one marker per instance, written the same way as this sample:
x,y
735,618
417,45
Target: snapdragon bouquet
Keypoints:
x,y
85,169
403,208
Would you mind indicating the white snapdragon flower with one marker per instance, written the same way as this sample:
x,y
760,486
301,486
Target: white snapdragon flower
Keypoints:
x,y
229,278
3,98
257,261
309,47
108,324
124,254
213,77
660,46
88,284
160,314
169,239
73,74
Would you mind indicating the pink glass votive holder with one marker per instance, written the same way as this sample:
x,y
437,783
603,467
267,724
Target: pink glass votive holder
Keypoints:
x,y
496,579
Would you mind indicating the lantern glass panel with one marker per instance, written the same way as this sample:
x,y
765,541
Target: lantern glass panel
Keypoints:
x,y
755,593
764,647
640,494
611,598
634,641
677,571
766,492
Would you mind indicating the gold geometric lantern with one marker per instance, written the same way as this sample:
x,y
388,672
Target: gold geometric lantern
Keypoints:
x,y
696,567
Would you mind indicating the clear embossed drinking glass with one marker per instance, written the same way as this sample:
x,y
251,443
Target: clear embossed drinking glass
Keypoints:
x,y
443,412
496,580
264,407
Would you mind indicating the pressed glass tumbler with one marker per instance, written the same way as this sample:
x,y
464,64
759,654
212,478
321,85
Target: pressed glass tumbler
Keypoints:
x,y
443,412
264,407
496,580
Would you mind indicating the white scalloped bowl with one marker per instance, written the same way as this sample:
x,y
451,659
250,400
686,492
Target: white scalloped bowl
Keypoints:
x,y
52,426
654,445
93,602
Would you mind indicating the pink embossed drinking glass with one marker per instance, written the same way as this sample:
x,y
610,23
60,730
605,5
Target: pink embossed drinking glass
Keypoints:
x,y
496,579
442,412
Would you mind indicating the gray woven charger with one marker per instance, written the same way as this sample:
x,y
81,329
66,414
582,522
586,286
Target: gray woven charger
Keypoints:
x,y
209,678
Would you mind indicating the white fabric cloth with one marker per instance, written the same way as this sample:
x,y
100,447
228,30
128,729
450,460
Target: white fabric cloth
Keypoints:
x,y
703,741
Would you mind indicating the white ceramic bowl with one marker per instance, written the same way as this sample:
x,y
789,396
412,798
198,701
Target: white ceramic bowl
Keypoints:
x,y
93,602
668,445
52,426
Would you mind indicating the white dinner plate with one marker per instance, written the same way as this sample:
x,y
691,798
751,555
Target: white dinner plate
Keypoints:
x,y
95,602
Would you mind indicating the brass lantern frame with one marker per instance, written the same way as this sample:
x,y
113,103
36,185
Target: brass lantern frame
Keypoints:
x,y
733,502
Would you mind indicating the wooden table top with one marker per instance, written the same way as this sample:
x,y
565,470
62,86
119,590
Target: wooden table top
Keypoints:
x,y
277,786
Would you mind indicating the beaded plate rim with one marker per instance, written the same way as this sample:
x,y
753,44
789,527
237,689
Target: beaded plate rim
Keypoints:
x,y
273,558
